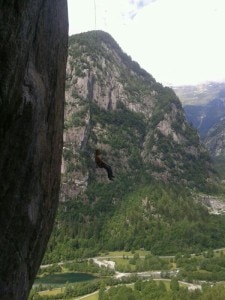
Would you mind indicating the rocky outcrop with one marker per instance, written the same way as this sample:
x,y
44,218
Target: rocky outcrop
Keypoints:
x,y
215,205
33,53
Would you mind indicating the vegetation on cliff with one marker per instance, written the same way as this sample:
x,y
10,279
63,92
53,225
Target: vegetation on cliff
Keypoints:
x,y
157,159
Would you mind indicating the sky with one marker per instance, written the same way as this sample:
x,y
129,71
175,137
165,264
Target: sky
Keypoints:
x,y
178,42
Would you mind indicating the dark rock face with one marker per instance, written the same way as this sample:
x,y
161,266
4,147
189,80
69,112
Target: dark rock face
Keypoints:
x,y
33,52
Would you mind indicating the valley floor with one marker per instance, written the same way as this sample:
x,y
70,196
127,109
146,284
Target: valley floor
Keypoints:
x,y
115,261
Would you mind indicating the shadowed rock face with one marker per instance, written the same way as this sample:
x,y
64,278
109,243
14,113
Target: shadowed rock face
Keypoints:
x,y
33,53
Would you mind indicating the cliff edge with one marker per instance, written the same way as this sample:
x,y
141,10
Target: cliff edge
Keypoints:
x,y
33,52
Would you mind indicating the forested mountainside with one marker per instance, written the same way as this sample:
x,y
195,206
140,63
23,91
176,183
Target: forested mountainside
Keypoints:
x,y
204,107
215,139
205,117
157,159
215,142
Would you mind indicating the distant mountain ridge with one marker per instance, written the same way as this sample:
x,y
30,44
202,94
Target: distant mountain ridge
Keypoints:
x,y
204,107
199,94
204,104
205,117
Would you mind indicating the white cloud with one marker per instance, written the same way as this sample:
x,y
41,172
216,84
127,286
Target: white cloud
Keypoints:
x,y
136,5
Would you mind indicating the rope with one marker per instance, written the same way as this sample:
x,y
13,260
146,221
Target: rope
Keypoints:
x,y
95,14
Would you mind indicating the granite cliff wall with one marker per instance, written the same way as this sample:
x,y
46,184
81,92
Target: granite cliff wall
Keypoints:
x,y
33,52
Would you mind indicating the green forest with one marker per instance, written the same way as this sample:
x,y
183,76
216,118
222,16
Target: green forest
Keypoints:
x,y
151,290
140,290
159,218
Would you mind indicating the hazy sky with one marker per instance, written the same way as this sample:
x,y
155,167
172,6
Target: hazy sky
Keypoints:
x,y
176,41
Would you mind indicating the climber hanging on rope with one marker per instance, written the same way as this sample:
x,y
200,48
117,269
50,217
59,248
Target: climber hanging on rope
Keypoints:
x,y
102,164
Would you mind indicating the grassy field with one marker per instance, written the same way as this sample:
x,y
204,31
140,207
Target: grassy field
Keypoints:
x,y
56,291
93,296
123,262
52,292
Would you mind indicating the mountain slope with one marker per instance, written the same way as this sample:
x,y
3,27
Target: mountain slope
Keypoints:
x,y
215,142
140,128
205,117
114,105
215,139
204,105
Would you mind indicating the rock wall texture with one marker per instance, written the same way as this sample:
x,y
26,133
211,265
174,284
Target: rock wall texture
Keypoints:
x,y
33,52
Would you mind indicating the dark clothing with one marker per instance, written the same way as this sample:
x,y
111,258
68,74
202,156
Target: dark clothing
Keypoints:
x,y
101,164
